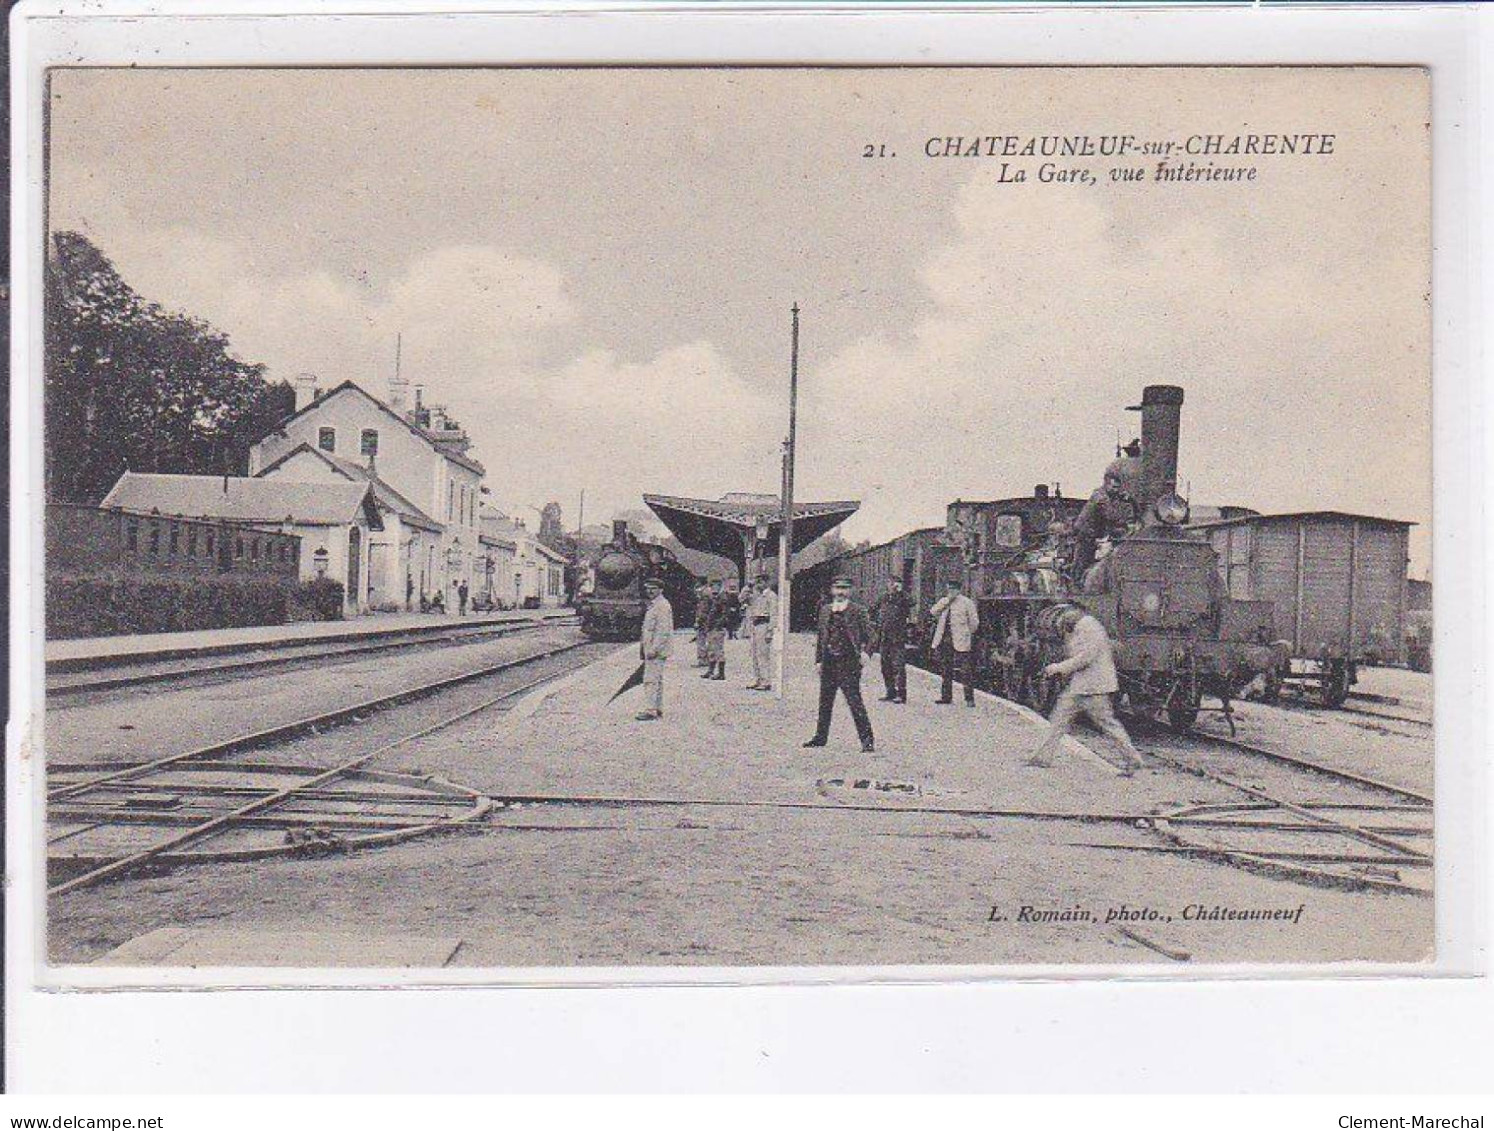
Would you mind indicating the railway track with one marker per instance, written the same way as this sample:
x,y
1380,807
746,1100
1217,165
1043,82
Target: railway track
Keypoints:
x,y
1288,825
1309,847
67,683
309,809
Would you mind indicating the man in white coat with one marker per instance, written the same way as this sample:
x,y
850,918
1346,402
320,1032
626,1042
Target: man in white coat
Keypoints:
x,y
761,620
656,641
956,621
1090,668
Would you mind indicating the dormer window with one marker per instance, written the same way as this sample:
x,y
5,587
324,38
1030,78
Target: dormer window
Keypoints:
x,y
368,444
326,439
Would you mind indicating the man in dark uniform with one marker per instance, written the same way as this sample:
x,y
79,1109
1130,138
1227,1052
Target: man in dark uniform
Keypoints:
x,y
844,633
717,618
891,618
1110,513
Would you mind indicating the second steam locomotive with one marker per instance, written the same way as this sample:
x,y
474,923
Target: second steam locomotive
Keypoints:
x,y
612,609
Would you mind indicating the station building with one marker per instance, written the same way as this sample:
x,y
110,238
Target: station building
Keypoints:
x,y
414,458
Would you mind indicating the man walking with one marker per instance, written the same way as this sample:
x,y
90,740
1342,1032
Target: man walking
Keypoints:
x,y
844,633
1090,667
762,618
891,619
655,642
956,622
718,617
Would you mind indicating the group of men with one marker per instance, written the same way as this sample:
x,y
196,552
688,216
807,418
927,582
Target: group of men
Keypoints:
x,y
718,613
847,630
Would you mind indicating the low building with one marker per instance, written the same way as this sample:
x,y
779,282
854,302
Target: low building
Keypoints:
x,y
402,557
536,573
91,540
494,587
334,521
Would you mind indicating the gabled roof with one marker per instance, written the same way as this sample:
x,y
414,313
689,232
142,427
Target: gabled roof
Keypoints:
x,y
387,496
436,443
238,499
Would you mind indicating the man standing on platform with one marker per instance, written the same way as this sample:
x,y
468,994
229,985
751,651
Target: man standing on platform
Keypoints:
x,y
702,614
891,619
718,616
1090,667
844,633
655,642
956,622
762,617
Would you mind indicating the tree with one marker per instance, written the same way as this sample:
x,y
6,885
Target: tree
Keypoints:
x,y
130,385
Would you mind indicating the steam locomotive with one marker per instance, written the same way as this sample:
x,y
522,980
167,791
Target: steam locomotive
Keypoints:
x,y
1153,583
612,602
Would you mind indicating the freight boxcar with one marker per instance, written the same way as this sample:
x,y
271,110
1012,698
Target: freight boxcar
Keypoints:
x,y
1338,584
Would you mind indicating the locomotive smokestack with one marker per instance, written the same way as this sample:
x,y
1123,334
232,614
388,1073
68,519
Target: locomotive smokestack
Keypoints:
x,y
1161,410
619,530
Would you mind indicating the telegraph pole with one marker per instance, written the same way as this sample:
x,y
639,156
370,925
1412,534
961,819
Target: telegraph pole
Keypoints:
x,y
786,537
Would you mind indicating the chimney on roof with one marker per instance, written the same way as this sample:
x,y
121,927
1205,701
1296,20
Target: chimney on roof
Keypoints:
x,y
306,390
398,386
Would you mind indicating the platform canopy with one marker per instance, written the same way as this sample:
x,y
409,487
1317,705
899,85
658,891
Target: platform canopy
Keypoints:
x,y
743,527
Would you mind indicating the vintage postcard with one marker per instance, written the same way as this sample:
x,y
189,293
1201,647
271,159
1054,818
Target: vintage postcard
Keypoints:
x,y
917,517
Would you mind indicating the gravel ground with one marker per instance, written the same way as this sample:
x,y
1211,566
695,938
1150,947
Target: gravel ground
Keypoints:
x,y
768,855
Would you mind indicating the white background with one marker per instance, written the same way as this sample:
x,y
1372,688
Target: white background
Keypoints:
x,y
1402,1034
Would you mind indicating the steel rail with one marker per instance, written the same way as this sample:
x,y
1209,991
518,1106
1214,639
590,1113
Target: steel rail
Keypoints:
x,y
286,731
1309,765
220,823
301,654
1328,823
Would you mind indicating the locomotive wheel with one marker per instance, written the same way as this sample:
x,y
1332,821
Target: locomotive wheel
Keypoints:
x,y
1271,692
1182,716
1335,687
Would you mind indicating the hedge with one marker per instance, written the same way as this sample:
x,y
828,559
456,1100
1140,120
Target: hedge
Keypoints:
x,y
320,599
106,604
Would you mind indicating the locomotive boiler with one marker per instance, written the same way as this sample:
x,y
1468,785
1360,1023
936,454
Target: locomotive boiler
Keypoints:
x,y
613,607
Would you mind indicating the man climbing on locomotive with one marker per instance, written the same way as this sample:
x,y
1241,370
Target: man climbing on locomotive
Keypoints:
x,y
1110,513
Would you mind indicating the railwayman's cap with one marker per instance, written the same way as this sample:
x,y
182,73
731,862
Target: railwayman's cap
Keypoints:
x,y
841,582
653,583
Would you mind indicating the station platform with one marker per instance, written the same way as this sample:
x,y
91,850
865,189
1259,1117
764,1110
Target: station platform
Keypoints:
x,y
720,742
86,653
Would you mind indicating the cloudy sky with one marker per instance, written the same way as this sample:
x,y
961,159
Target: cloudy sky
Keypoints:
x,y
593,270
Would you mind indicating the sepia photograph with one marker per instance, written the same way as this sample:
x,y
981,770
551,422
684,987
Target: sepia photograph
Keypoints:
x,y
542,518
